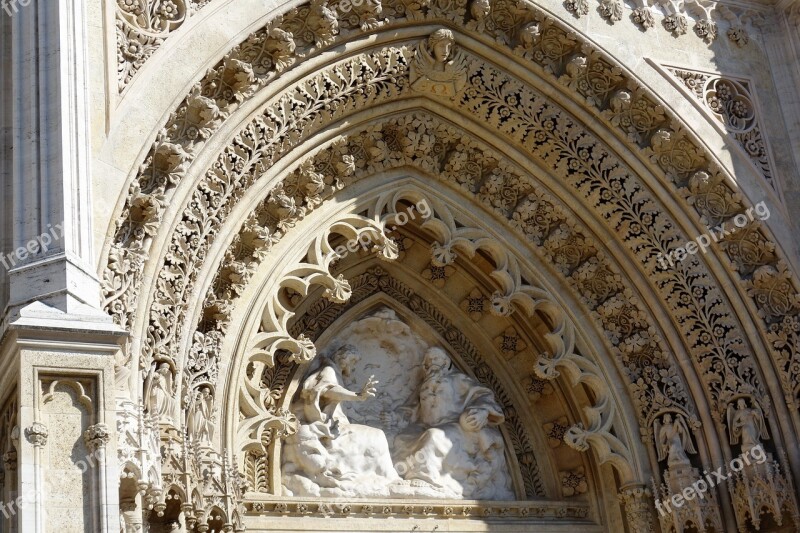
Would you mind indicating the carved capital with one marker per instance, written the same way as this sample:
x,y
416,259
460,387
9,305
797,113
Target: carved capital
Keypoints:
x,y
96,437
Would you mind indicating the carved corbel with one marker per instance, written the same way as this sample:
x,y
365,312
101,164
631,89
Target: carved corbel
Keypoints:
x,y
637,503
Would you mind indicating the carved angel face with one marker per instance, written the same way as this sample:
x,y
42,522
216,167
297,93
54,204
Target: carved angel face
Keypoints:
x,y
741,404
441,44
441,51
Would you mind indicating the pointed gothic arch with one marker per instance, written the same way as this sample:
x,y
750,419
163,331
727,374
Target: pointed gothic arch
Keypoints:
x,y
210,183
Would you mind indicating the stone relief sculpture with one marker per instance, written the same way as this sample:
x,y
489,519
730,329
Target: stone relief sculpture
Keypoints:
x,y
673,440
437,67
454,444
329,456
747,425
431,431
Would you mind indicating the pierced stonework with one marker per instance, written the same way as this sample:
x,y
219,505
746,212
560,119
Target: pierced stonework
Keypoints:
x,y
637,502
663,143
632,111
703,513
510,342
537,387
143,26
474,305
438,275
730,101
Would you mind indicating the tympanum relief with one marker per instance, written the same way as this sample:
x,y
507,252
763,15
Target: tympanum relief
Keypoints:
x,y
387,414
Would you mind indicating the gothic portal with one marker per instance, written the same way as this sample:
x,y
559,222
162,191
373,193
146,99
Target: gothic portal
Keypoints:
x,y
400,266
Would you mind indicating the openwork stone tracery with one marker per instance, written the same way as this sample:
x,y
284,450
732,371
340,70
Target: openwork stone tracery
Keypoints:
x,y
511,108
731,102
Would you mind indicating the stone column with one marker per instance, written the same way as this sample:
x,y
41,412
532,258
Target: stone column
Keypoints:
x,y
52,261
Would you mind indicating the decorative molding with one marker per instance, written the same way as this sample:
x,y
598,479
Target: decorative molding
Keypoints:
x,y
574,482
760,489
399,509
701,513
556,430
640,126
138,454
637,502
96,437
143,26
256,406
537,217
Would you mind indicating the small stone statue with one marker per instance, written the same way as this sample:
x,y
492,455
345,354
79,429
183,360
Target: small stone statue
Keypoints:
x,y
438,68
161,393
200,423
673,440
746,424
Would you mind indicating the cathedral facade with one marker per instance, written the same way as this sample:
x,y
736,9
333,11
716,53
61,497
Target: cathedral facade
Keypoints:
x,y
400,266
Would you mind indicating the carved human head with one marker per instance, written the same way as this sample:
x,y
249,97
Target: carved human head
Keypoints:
x,y
435,360
441,43
741,404
667,418
346,358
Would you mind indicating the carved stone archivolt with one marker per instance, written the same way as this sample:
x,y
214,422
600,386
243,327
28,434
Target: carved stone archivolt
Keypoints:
x,y
663,142
144,25
710,329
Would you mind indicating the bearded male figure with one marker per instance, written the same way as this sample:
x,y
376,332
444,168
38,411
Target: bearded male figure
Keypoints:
x,y
453,446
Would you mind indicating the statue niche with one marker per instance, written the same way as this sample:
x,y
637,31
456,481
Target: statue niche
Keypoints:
x,y
423,430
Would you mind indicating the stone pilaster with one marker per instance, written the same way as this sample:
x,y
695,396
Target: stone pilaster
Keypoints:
x,y
66,387
51,259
